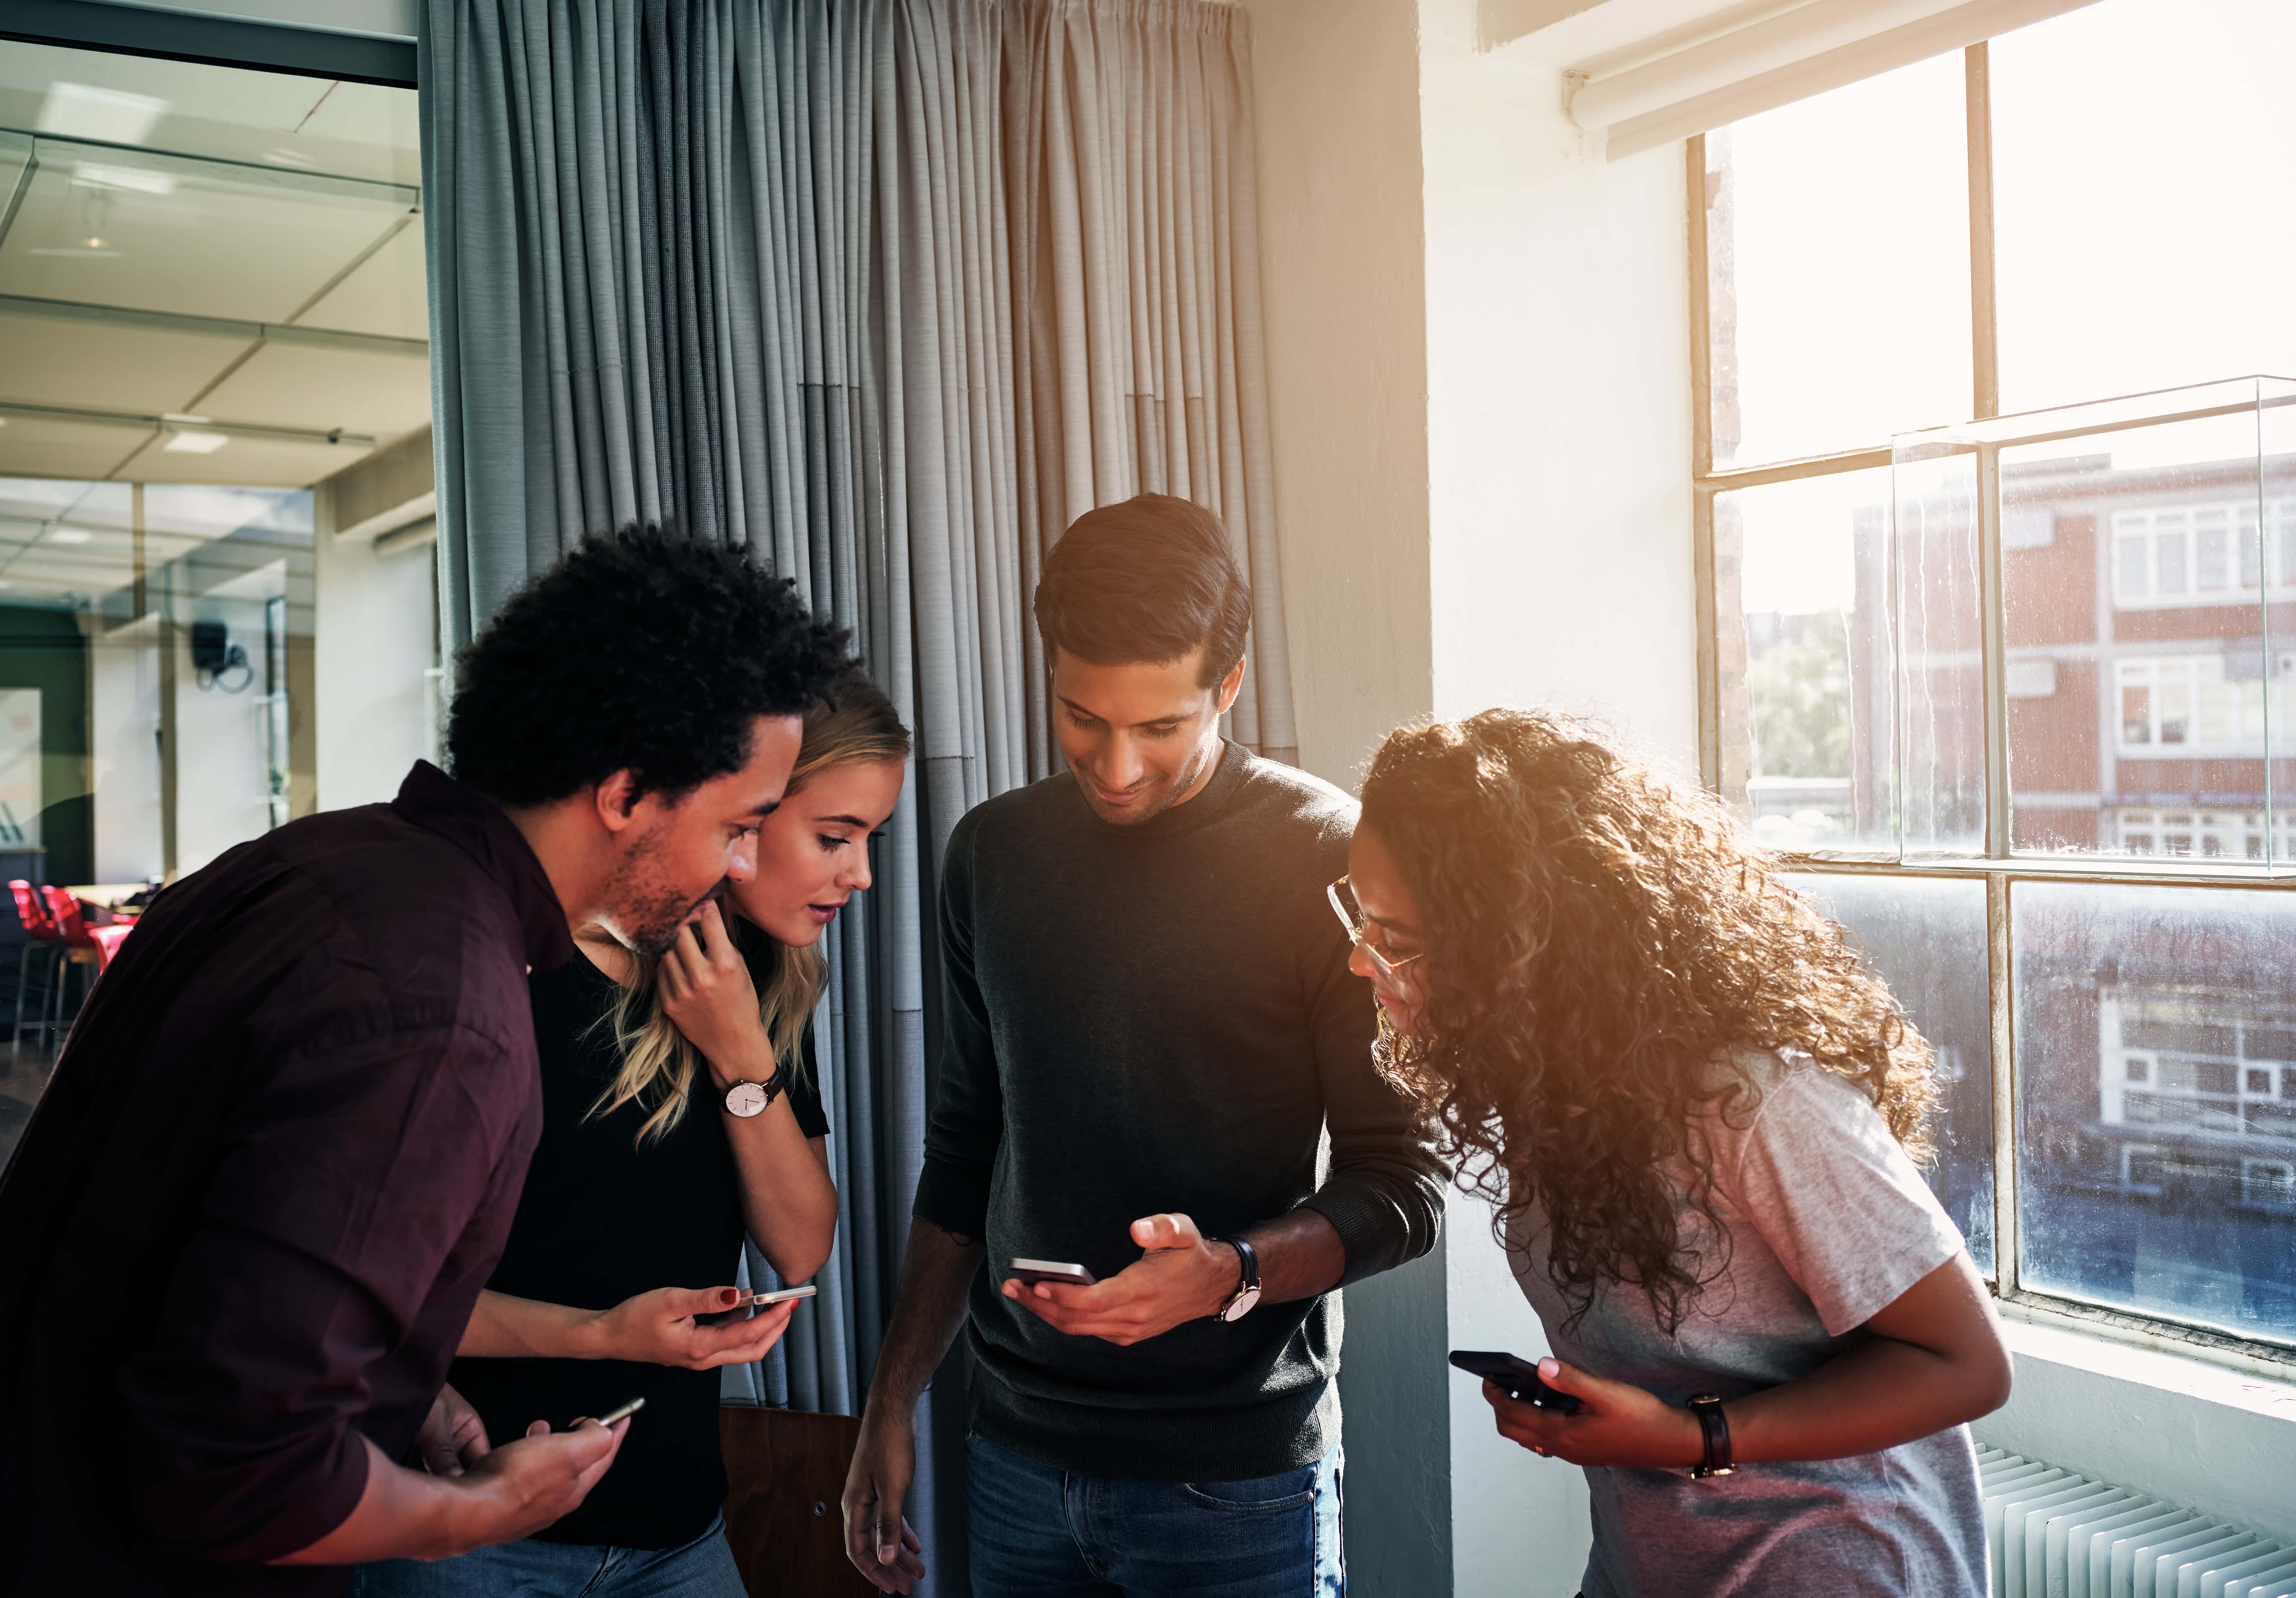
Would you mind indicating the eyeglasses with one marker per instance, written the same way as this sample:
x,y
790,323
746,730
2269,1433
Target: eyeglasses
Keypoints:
x,y
1388,973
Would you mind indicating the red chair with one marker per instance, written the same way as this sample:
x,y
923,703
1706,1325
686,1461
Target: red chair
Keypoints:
x,y
79,947
40,938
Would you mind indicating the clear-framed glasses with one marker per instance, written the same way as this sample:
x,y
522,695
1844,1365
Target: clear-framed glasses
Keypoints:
x,y
1388,973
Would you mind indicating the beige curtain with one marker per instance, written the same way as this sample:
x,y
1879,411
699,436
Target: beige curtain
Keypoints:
x,y
1134,255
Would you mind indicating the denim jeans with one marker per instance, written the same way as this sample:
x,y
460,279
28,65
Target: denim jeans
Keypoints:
x,y
1037,1532
702,1568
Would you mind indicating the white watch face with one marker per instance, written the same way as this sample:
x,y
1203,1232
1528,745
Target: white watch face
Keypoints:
x,y
746,1099
1241,1306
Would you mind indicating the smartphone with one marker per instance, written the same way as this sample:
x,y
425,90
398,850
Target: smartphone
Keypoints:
x,y
1033,1271
759,1300
621,1412
1518,1379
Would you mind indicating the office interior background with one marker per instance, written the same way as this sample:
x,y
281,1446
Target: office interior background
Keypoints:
x,y
1892,426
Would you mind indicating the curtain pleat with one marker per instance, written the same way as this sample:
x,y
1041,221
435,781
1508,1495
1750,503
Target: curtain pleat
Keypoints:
x,y
889,292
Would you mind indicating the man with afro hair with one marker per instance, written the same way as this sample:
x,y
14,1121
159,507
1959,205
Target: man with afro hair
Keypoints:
x,y
244,1229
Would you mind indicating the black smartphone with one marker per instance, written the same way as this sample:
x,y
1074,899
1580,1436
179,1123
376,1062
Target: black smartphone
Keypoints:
x,y
1518,1379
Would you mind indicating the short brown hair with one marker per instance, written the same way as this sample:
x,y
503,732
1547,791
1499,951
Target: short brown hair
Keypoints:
x,y
1148,579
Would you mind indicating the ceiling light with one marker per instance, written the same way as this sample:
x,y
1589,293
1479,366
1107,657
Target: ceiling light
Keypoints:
x,y
70,534
192,443
81,111
140,180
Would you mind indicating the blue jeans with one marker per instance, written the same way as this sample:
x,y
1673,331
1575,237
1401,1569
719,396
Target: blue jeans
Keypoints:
x,y
702,1568
1037,1532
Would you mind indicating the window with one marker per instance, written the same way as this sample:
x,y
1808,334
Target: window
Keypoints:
x,y
216,584
2003,662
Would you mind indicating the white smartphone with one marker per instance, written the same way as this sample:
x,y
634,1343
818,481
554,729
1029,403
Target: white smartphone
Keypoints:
x,y
759,1300
1033,1271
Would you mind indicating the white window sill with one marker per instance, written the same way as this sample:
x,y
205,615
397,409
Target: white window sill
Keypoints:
x,y
2191,1431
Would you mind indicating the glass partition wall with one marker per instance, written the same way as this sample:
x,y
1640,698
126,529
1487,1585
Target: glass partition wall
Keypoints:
x,y
217,594
2008,687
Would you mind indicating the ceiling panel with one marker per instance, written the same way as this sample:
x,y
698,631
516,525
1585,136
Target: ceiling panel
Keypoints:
x,y
47,361
158,233
295,385
385,294
256,463
37,447
307,123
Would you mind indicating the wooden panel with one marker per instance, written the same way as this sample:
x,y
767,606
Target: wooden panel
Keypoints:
x,y
784,1472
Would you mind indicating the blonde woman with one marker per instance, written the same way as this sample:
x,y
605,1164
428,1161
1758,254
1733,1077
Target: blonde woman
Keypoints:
x,y
1699,1116
655,1159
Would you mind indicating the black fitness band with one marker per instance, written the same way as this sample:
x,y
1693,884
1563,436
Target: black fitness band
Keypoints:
x,y
1715,1430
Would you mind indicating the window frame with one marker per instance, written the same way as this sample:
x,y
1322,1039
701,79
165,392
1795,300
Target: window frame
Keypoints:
x,y
1999,868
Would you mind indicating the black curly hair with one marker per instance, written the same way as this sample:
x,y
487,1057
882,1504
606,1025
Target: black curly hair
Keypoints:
x,y
644,650
1600,946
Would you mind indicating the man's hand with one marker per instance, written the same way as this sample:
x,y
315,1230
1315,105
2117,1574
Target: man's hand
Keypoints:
x,y
878,1537
659,1329
1617,1424
1178,1278
453,1438
530,1484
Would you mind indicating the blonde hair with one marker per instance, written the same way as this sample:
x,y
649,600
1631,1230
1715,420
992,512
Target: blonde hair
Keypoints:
x,y
855,723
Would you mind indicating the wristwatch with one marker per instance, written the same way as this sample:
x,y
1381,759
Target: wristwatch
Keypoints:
x,y
746,1099
1247,1291
1715,1430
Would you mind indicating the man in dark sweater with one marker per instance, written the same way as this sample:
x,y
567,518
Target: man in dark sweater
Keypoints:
x,y
243,1235
1150,1027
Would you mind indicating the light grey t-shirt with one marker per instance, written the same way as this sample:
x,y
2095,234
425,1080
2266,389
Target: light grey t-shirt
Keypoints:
x,y
1828,1223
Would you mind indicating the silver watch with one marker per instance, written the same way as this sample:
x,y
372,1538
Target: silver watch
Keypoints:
x,y
746,1099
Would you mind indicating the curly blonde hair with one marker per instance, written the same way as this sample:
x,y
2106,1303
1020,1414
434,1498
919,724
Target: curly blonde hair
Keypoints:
x,y
1602,945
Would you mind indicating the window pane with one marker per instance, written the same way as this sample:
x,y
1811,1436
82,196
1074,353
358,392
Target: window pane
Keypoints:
x,y
1805,652
1926,936
1838,267
2157,1107
2149,683
2145,198
1939,592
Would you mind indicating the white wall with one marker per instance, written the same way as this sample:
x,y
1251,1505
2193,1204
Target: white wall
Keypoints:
x,y
221,752
372,641
124,751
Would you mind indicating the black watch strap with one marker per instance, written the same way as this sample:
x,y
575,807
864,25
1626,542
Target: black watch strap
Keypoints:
x,y
1715,1427
1249,1256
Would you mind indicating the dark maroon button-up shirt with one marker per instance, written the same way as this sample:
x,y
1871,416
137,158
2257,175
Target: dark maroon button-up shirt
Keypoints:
x,y
249,1219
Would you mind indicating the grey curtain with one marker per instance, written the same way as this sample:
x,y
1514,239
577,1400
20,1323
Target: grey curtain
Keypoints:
x,y
887,291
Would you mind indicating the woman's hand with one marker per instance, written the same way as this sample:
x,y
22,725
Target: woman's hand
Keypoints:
x,y
659,1329
1616,1423
707,994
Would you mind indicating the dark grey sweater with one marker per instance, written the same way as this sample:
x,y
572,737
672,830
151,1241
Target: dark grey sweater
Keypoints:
x,y
1156,1018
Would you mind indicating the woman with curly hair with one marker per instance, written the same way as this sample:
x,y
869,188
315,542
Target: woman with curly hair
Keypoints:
x,y
1699,1117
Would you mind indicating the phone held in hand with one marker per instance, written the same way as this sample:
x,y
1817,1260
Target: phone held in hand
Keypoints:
x,y
780,1295
1033,1271
741,1310
1518,1379
621,1411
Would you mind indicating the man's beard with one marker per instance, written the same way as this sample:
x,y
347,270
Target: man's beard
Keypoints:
x,y
1184,783
644,916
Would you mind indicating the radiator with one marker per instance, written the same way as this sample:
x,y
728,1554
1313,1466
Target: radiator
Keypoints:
x,y
2056,1534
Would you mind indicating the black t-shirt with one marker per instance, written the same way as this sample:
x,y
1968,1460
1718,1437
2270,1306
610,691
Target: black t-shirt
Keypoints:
x,y
602,1219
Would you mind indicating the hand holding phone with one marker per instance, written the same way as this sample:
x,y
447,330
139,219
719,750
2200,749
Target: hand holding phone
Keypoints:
x,y
1518,1379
